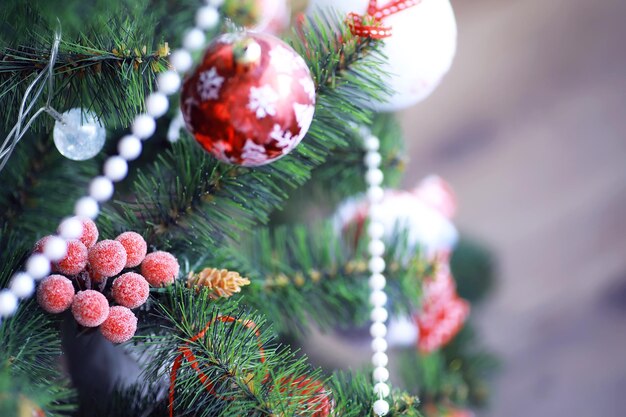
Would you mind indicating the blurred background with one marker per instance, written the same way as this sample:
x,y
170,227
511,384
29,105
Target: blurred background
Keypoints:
x,y
530,129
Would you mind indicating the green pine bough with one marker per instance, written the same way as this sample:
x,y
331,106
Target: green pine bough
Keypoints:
x,y
207,213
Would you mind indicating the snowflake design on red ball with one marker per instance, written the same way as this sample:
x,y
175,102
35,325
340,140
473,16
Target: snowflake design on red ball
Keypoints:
x,y
251,99
209,84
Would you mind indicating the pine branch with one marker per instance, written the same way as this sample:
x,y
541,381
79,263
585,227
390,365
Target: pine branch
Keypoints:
x,y
247,374
30,348
41,189
241,383
342,175
109,73
301,274
353,396
456,374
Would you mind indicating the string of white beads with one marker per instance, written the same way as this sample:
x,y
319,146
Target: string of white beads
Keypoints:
x,y
374,178
115,169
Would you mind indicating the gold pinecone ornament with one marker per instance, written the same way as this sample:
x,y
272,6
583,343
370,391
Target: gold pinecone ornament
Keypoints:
x,y
220,282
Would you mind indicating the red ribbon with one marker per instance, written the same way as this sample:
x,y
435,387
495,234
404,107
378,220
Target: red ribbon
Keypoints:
x,y
371,25
186,353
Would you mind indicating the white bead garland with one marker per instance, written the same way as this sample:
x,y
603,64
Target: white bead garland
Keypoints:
x,y
8,303
22,285
194,39
144,126
55,248
157,104
129,147
115,168
101,189
374,178
87,207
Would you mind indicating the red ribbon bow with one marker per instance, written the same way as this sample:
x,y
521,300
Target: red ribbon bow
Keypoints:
x,y
371,25
186,353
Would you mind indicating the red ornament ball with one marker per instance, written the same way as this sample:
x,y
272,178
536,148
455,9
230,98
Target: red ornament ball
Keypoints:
x,y
250,101
135,246
75,260
130,290
90,308
107,258
120,325
55,294
90,234
160,268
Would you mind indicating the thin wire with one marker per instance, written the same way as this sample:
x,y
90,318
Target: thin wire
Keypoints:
x,y
20,128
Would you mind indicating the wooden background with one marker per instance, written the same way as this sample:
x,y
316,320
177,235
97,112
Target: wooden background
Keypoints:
x,y
530,128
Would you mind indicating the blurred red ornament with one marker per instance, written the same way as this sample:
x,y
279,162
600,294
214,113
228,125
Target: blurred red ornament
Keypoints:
x,y
250,101
443,312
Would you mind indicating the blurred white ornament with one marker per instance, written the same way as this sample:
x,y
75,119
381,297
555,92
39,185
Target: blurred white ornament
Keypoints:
x,y
79,135
402,331
419,51
426,221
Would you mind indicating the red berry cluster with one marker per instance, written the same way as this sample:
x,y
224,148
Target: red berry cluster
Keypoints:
x,y
89,264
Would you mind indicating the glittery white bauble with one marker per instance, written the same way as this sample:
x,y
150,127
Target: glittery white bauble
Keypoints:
x,y
419,52
426,227
79,135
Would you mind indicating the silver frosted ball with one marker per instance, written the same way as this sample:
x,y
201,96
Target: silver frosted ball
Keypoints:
x,y
79,135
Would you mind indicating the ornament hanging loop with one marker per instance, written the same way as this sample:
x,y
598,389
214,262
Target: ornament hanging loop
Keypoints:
x,y
371,25
46,76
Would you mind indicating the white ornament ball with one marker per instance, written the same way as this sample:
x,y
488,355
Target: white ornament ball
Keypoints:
x,y
79,135
420,50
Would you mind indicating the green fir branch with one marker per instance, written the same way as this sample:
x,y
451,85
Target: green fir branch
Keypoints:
x,y
30,348
304,274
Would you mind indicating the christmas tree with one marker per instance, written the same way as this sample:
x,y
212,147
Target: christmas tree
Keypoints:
x,y
168,179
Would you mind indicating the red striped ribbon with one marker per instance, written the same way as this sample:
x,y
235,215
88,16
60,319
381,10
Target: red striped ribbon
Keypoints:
x,y
371,25
186,353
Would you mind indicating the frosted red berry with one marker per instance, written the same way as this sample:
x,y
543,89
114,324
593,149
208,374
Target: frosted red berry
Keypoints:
x,y
75,259
90,234
160,268
107,258
130,290
90,308
135,246
55,294
120,325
